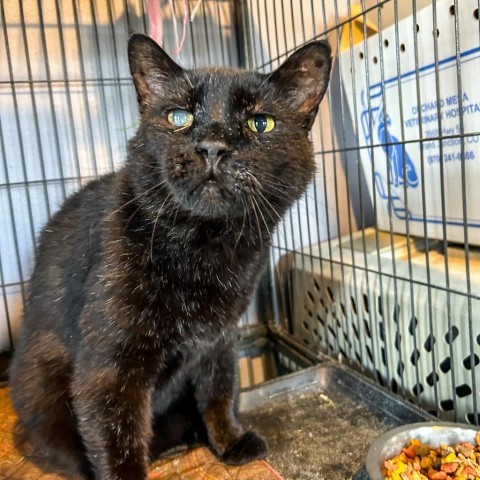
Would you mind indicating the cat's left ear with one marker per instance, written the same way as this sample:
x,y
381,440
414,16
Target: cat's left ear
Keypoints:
x,y
303,78
151,68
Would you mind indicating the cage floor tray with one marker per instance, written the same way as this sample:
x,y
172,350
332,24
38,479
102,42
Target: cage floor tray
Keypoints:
x,y
320,422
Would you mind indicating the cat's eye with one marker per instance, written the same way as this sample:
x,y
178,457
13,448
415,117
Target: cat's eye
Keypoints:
x,y
180,118
261,123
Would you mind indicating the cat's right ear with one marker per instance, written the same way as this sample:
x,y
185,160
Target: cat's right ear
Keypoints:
x,y
151,68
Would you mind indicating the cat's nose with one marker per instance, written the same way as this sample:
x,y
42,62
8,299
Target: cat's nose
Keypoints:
x,y
212,150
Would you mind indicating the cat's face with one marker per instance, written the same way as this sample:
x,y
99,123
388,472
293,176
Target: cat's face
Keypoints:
x,y
228,142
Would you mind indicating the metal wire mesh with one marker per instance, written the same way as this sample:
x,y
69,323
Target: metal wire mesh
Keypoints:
x,y
399,307
360,269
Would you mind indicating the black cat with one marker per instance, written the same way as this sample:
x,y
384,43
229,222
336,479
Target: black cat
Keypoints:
x,y
129,330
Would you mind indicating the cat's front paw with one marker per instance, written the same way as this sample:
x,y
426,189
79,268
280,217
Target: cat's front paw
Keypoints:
x,y
246,448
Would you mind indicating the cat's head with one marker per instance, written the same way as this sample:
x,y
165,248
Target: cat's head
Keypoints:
x,y
226,142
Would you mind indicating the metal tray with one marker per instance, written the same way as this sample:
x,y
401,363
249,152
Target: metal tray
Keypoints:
x,y
320,422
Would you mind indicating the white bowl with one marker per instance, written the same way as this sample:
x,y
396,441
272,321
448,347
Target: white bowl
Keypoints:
x,y
435,434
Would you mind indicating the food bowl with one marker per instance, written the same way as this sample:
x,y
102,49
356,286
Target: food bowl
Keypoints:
x,y
430,433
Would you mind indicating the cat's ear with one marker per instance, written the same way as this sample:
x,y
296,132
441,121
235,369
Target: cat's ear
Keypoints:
x,y
150,66
303,78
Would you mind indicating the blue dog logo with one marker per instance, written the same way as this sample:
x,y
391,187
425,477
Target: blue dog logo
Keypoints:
x,y
397,156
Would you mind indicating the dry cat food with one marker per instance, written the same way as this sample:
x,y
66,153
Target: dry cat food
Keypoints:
x,y
422,462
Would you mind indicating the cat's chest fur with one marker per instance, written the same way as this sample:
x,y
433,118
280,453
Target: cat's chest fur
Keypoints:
x,y
186,288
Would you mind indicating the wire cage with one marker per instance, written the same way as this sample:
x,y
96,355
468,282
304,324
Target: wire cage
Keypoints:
x,y
378,265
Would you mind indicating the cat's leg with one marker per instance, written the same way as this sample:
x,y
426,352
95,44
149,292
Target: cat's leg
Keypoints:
x,y
113,406
39,379
215,392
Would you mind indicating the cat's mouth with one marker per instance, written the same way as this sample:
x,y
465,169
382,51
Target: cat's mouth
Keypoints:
x,y
211,190
210,198
210,185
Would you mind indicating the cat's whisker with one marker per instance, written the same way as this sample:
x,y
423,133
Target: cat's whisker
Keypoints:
x,y
241,230
261,214
132,215
181,128
247,209
258,223
177,209
270,207
160,211
152,239
187,78
121,207
267,202
274,186
261,183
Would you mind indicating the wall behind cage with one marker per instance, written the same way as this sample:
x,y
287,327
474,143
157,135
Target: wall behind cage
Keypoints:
x,y
68,107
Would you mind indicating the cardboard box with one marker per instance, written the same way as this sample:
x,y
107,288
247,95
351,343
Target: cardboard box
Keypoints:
x,y
415,104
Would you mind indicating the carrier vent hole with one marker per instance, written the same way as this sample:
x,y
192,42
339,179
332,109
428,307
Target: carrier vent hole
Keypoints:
x,y
353,305
402,47
342,308
322,304
446,365
310,296
361,55
330,295
381,331
400,369
473,419
385,42
379,305
394,386
429,343
475,14
396,313
451,334
306,342
463,390
467,362
452,9
316,285
384,357
355,331
432,379
366,303
375,59
369,354
417,389
320,320
412,326
306,326
379,378
414,357
447,405
367,329
398,341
